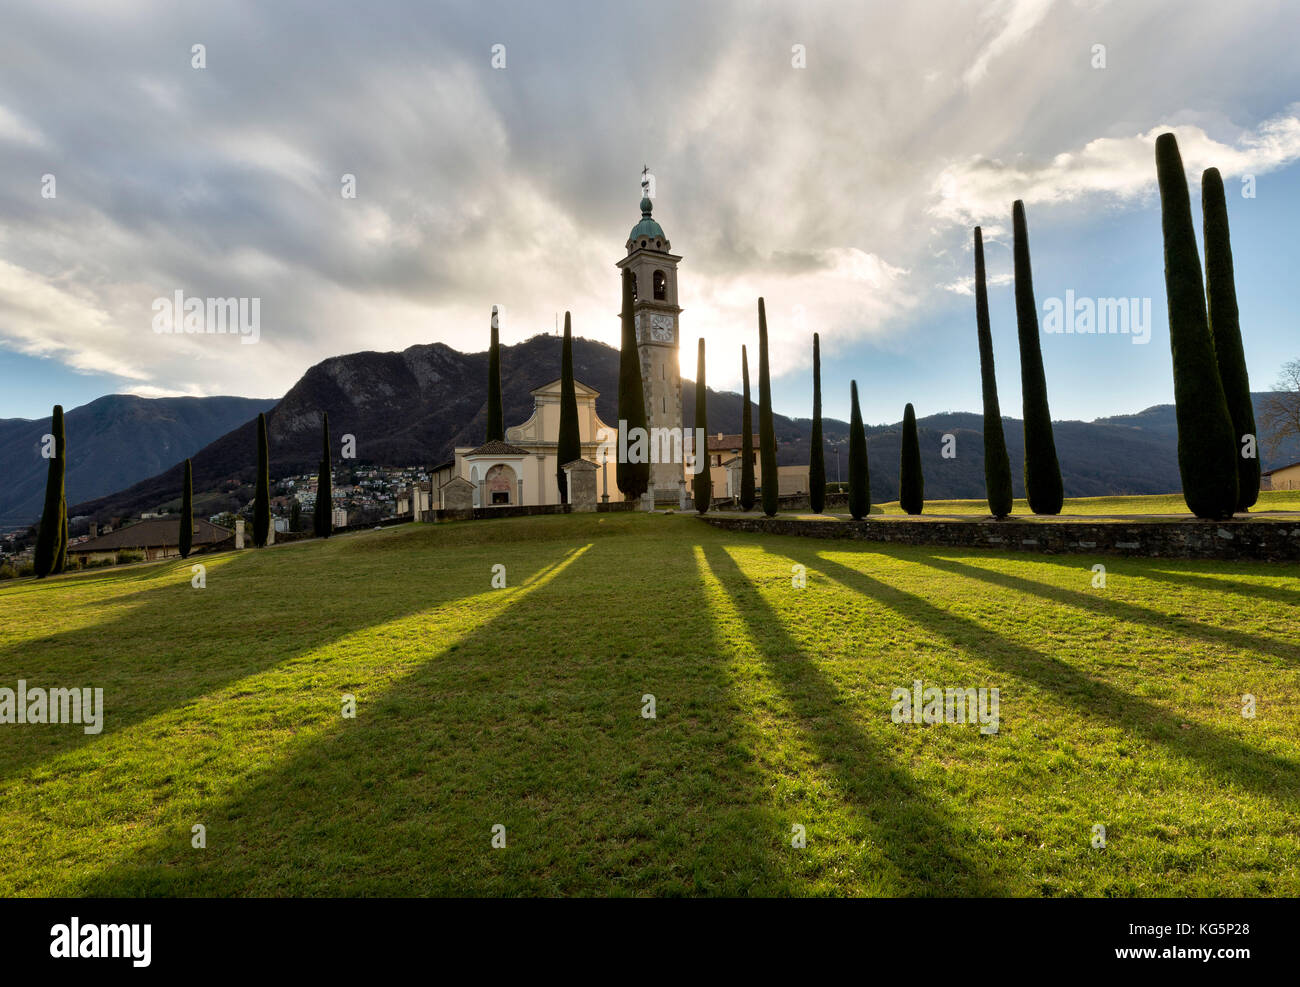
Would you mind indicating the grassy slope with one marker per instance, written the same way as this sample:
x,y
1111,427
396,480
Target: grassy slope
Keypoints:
x,y
521,706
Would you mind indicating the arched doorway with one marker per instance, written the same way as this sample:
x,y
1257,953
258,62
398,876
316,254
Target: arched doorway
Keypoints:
x,y
501,484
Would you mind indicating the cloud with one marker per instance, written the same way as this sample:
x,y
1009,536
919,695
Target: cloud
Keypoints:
x,y
1118,169
833,187
18,131
849,296
966,286
1018,19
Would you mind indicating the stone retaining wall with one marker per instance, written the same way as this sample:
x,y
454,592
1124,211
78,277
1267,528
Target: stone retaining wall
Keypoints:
x,y
1268,540
483,513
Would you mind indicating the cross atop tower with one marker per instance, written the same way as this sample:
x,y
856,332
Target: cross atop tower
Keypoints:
x,y
645,180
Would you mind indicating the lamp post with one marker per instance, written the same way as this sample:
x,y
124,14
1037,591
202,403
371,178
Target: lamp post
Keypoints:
x,y
604,474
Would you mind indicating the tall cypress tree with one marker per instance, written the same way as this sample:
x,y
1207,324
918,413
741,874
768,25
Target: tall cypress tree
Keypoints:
x,y
569,445
185,537
997,464
702,489
633,478
323,518
817,454
53,523
859,473
746,440
1207,447
1042,469
1225,330
766,429
262,492
496,428
911,482
61,553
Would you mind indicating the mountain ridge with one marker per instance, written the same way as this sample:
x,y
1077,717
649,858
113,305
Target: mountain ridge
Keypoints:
x,y
415,406
113,441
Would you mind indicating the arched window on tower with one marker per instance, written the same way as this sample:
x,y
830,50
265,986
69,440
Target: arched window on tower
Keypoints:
x,y
633,276
661,286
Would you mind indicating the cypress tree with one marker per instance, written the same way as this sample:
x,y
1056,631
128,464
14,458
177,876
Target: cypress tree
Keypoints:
x,y
61,553
766,429
702,490
997,464
746,440
262,492
1042,469
859,473
53,525
1225,331
323,518
817,454
569,445
911,483
295,515
1207,447
185,537
496,428
633,478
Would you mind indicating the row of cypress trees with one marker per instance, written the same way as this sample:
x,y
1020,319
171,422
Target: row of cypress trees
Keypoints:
x,y
1042,468
1217,457
766,426
912,484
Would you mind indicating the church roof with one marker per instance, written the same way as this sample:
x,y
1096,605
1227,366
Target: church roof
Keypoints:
x,y
726,442
554,387
498,448
648,226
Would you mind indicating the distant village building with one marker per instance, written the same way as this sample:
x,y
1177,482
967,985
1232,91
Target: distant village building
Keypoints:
x,y
726,465
154,539
1282,478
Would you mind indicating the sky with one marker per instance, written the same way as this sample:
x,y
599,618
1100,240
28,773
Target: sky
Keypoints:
x,y
830,157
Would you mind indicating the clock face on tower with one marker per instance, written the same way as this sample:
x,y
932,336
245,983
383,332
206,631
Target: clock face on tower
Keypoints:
x,y
661,328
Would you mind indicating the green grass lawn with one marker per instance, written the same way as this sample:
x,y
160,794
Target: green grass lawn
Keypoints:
x,y
522,707
1269,500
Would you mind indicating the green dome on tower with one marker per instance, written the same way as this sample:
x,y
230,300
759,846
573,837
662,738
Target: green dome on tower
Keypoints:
x,y
647,229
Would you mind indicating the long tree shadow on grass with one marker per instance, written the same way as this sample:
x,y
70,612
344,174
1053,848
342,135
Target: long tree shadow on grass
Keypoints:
x,y
533,722
174,645
1195,580
915,834
1109,607
1222,755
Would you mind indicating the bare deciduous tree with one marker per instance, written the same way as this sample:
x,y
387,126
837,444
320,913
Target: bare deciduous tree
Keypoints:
x,y
1279,413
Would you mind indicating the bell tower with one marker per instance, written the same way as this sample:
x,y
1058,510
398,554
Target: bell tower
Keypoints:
x,y
658,333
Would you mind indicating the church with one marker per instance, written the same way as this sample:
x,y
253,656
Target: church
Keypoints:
x,y
521,471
